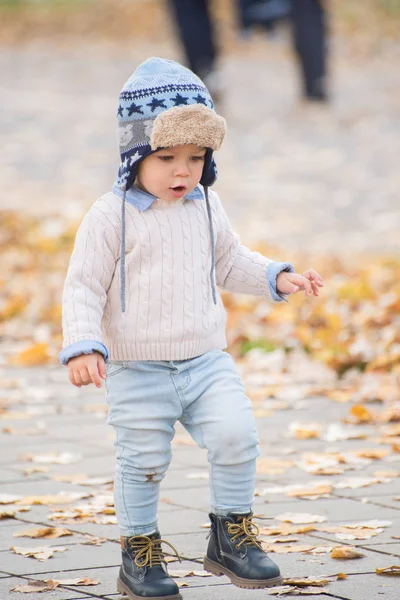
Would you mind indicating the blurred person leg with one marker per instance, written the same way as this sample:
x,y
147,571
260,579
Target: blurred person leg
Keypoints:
x,y
196,32
309,37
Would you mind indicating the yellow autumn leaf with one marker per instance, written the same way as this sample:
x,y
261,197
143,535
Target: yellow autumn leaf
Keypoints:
x,y
393,570
346,552
360,414
35,355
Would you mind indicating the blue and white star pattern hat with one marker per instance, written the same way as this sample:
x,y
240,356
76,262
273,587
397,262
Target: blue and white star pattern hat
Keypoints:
x,y
164,104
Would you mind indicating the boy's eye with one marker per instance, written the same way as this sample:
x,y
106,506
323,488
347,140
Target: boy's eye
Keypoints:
x,y
196,158
166,158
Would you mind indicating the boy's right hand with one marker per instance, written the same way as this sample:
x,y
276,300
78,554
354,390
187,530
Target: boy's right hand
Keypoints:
x,y
86,369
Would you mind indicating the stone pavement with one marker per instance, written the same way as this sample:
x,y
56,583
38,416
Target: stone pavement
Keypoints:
x,y
46,415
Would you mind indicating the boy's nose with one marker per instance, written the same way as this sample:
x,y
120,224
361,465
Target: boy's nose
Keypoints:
x,y
182,170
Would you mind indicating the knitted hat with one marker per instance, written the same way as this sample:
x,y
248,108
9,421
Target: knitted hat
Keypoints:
x,y
163,104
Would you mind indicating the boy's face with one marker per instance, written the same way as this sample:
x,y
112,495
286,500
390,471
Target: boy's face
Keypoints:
x,y
171,173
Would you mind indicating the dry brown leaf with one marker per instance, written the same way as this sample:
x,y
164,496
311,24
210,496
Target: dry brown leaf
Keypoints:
x,y
43,532
305,581
390,415
171,559
9,498
393,570
373,453
31,470
305,431
386,474
35,586
62,458
35,355
318,491
287,529
76,581
182,584
296,591
7,514
360,414
93,540
61,498
273,466
346,552
341,576
178,573
282,549
40,552
300,518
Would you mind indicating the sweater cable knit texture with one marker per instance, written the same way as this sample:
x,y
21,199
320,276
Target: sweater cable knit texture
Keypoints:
x,y
170,313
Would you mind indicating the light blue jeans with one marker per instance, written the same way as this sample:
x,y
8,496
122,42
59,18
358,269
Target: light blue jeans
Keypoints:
x,y
206,395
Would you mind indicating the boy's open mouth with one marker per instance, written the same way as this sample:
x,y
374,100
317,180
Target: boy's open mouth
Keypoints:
x,y
178,190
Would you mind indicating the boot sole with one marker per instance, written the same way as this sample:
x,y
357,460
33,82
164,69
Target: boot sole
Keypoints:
x,y
125,591
252,584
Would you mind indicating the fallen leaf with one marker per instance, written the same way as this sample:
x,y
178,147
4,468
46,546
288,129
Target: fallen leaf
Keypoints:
x,y
43,532
314,492
305,581
177,573
273,466
300,518
296,591
346,552
286,529
393,570
305,431
359,414
7,514
373,453
9,498
35,586
281,549
38,354
60,498
76,581
41,552
62,458
32,470
93,540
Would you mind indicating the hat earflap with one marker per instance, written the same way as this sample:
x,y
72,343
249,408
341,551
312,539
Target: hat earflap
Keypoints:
x,y
210,172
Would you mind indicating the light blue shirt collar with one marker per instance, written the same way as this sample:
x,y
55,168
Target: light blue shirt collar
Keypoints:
x,y
143,200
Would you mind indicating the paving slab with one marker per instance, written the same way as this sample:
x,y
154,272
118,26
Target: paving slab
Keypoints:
x,y
345,509
77,557
366,587
12,456
58,594
384,548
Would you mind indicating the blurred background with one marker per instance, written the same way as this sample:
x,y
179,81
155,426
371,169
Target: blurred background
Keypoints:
x,y
308,173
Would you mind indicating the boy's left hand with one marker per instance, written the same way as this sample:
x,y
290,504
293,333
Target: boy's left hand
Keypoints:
x,y
290,283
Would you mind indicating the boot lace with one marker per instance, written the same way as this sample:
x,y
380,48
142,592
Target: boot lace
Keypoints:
x,y
148,552
244,532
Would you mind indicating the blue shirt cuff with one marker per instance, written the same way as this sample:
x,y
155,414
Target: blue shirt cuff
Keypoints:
x,y
83,347
273,270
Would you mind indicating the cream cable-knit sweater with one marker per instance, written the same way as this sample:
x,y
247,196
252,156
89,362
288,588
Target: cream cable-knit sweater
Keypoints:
x,y
170,313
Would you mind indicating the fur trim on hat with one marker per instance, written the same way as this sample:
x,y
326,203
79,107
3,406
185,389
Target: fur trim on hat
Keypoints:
x,y
194,124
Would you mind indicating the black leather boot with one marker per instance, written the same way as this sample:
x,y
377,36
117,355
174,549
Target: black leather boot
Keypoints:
x,y
143,573
233,550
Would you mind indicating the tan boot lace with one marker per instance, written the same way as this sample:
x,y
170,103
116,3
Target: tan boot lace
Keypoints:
x,y
148,552
245,529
